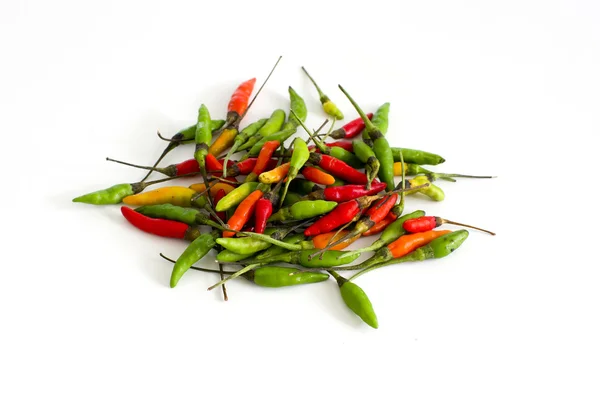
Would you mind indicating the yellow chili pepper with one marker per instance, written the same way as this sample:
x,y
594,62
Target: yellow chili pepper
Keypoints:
x,y
176,195
275,175
223,142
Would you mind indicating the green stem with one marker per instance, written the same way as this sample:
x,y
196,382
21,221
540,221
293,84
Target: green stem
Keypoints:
x,y
234,275
368,124
198,268
416,255
317,143
321,94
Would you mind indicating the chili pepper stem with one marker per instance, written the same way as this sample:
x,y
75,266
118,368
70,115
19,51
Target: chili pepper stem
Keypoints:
x,y
446,221
198,268
166,151
135,165
448,177
234,275
178,141
317,143
321,94
221,273
368,124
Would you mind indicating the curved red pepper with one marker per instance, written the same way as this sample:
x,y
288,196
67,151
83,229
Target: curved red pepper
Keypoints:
x,y
155,226
241,96
263,211
349,192
187,167
351,129
378,211
339,216
421,224
338,168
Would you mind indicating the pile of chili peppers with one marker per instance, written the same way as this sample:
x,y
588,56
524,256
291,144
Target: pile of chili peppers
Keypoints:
x,y
267,196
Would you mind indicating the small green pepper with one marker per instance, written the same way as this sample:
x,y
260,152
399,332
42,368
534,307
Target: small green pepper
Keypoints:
x,y
298,106
273,125
328,106
282,276
175,213
416,156
356,299
291,199
303,210
434,192
194,252
236,196
280,136
365,154
299,158
227,256
111,195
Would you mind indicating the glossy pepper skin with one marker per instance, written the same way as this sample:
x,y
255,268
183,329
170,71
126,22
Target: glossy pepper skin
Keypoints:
x,y
351,129
264,209
338,168
298,106
203,137
236,196
280,136
342,214
365,154
303,210
381,147
357,300
416,156
242,138
243,213
160,227
251,245
272,126
318,176
330,258
263,160
175,195
113,195
275,277
437,248
194,252
189,216
381,119
341,194
299,157
239,101
328,106
434,192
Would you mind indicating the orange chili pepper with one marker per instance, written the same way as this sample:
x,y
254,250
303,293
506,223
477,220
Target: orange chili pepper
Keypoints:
x,y
321,241
381,225
264,157
241,96
407,243
243,212
214,189
223,142
275,175
176,195
317,176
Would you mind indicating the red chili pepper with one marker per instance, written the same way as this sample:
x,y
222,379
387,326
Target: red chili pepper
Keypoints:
x,y
264,208
338,168
351,129
212,164
187,167
264,157
347,192
156,226
223,215
339,216
340,143
246,166
241,96
424,224
243,212
381,225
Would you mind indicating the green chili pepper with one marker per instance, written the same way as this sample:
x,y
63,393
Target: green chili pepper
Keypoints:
x,y
338,182
331,258
236,196
283,276
356,300
380,119
434,192
328,106
189,216
381,147
298,106
303,186
437,248
417,156
392,232
291,199
194,252
299,158
276,250
255,243
365,154
280,136
303,210
203,139
345,156
111,195
273,125
227,256
242,138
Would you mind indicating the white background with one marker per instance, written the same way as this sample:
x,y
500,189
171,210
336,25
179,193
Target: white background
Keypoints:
x,y
509,88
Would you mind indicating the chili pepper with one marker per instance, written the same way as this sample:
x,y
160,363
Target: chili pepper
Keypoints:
x,y
246,166
214,189
381,225
298,106
424,224
340,143
183,168
321,241
264,208
415,169
317,175
273,276
189,216
399,248
303,210
237,195
417,156
291,199
160,227
276,250
273,125
381,147
194,252
220,215
275,175
293,257
203,139
344,193
242,137
239,101
391,233
365,153
328,106
336,152
280,136
243,213
338,168
254,242
373,215
183,136
263,159
351,129
434,192
176,195
356,299
116,193
227,256
299,158
380,119
303,186
437,248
